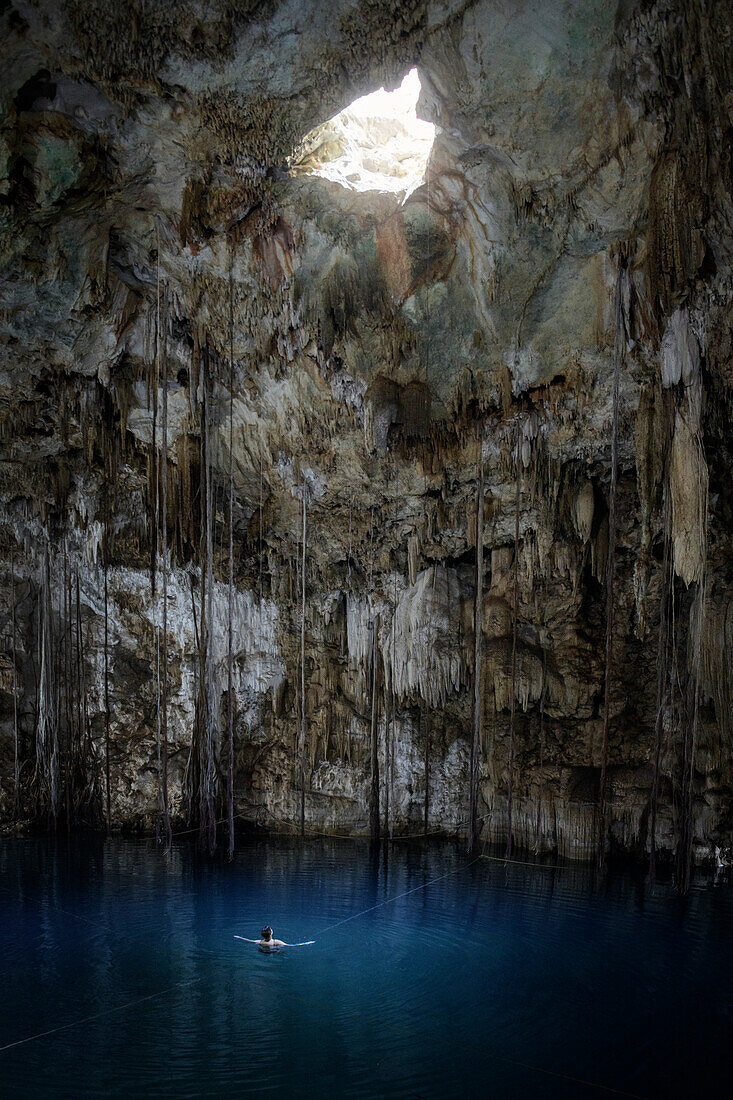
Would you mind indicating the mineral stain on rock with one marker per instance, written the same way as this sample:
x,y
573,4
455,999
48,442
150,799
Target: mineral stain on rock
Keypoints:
x,y
340,354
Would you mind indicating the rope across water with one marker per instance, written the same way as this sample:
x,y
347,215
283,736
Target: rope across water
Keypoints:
x,y
99,1015
396,897
597,1086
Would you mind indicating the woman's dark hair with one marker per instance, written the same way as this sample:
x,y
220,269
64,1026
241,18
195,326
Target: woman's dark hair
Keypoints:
x,y
266,933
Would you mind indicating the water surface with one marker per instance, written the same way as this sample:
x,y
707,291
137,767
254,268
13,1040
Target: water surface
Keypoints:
x,y
494,980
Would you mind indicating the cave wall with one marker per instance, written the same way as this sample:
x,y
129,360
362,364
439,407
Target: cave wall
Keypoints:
x,y
159,232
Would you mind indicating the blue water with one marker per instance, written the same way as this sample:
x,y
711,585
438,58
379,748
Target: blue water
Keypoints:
x,y
505,981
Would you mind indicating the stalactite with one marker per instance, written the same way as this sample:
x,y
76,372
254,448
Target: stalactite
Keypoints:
x,y
515,617
302,671
374,790
230,601
477,739
333,399
618,358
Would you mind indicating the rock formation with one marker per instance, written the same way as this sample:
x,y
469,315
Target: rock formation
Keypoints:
x,y
183,301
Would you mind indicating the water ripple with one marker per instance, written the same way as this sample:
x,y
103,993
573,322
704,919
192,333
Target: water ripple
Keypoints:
x,y
512,980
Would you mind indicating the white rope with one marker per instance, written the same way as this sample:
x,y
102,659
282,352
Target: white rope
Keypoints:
x,y
99,1015
404,894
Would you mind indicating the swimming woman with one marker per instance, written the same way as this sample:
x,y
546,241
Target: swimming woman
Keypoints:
x,y
268,943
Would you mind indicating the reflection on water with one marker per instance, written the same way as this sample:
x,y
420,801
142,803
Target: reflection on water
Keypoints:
x,y
511,981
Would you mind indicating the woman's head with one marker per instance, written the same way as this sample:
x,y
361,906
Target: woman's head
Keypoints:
x,y
266,933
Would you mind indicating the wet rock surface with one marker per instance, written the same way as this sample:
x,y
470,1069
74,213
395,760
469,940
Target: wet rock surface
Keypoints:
x,y
162,246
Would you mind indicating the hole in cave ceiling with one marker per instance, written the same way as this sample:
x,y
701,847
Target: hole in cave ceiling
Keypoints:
x,y
377,143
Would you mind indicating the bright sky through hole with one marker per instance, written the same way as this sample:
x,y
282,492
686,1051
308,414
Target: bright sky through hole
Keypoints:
x,y
377,143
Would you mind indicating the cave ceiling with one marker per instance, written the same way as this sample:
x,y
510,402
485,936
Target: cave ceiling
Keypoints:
x,y
365,352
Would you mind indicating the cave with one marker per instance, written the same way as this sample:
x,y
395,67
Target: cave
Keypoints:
x,y
365,517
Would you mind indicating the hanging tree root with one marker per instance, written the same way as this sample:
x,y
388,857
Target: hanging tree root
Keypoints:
x,y
618,358
475,758
230,681
515,617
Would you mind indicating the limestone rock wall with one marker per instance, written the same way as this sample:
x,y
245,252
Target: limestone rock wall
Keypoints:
x,y
161,238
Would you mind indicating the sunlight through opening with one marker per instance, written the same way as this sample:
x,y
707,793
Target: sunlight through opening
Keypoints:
x,y
376,144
